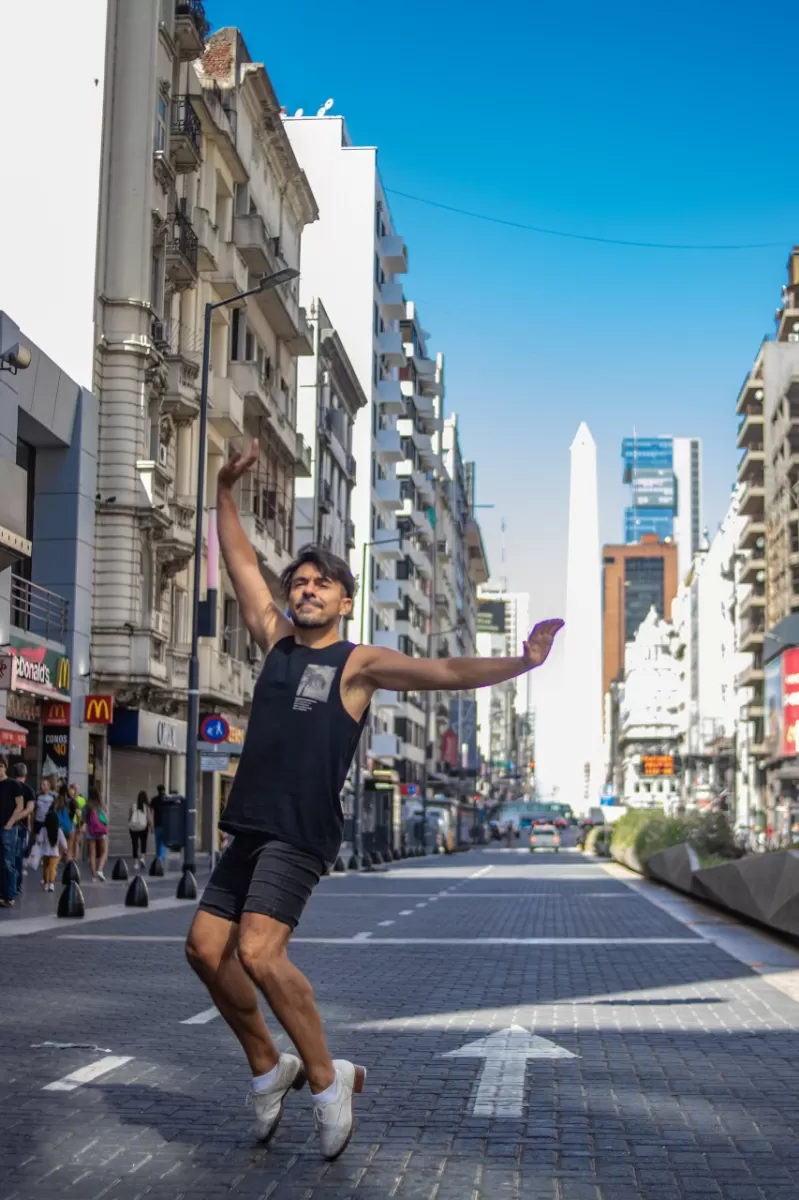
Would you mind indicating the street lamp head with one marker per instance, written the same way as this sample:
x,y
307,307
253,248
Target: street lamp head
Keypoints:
x,y
267,282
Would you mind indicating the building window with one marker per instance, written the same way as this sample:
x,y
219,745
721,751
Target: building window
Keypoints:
x,y
180,616
161,110
643,590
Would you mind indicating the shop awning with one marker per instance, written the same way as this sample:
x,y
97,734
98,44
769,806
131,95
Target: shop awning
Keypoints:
x,y
12,736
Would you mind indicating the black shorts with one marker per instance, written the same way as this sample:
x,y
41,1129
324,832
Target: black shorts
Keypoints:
x,y
261,875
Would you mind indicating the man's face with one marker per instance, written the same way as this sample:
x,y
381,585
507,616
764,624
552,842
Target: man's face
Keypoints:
x,y
73,790
45,785
315,601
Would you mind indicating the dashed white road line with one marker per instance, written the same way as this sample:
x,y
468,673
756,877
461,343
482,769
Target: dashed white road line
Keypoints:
x,y
422,904
359,937
385,922
406,912
202,1018
94,1070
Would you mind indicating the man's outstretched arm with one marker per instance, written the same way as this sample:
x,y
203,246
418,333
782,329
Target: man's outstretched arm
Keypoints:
x,y
258,608
397,672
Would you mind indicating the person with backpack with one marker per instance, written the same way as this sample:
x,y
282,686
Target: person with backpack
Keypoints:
x,y
51,844
96,834
139,823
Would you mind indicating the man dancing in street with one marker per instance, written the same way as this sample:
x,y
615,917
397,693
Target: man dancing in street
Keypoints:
x,y
309,707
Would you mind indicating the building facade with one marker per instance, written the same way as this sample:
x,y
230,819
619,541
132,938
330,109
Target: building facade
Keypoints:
x,y
200,196
635,578
329,399
664,475
48,451
504,710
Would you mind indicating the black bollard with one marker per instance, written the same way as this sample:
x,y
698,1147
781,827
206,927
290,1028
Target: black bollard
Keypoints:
x,y
187,887
120,870
354,864
396,855
377,858
70,902
339,867
70,874
137,895
366,862
156,868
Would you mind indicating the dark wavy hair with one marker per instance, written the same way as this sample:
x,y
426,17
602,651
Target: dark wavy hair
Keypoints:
x,y
330,565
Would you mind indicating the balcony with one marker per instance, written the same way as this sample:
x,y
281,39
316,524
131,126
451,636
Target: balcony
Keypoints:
x,y
753,499
351,468
154,494
37,610
385,699
390,349
751,677
181,251
253,385
753,534
387,546
389,447
386,594
410,509
349,535
754,599
207,239
420,557
394,255
302,457
751,429
750,397
219,120
176,545
265,538
750,639
392,301
386,639
191,28
281,307
407,629
182,396
388,495
752,465
230,277
221,676
254,243
226,412
384,745
409,590
390,397
326,501
753,568
185,142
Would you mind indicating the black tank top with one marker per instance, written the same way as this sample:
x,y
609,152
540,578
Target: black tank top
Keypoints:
x,y
298,748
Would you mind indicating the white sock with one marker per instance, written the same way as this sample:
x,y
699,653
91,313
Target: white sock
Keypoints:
x,y
261,1082
328,1095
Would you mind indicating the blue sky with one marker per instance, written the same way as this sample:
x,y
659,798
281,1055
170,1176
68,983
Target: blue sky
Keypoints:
x,y
646,122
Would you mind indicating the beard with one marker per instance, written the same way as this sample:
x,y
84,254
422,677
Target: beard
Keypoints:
x,y
310,618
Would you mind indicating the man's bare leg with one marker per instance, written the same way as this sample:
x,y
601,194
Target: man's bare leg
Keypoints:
x,y
211,951
263,946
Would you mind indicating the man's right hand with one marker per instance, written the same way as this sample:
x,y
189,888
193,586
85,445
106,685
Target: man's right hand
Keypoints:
x,y
237,466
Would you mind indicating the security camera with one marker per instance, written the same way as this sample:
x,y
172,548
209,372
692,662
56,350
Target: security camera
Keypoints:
x,y
16,358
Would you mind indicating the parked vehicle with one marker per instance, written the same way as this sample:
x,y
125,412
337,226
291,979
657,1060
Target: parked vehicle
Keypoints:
x,y
544,837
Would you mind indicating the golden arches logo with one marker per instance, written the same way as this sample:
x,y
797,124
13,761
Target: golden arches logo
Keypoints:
x,y
98,710
62,675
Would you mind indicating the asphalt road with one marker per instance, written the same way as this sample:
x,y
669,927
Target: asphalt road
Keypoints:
x,y
534,1026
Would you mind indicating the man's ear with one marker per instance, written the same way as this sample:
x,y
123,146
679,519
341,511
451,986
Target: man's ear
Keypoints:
x,y
345,608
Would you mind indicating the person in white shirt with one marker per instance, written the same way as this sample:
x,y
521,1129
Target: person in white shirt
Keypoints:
x,y
44,802
52,844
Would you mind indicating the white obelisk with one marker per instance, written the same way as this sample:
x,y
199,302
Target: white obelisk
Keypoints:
x,y
581,698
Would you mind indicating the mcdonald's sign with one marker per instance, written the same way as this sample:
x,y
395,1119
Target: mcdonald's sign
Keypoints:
x,y
55,712
98,710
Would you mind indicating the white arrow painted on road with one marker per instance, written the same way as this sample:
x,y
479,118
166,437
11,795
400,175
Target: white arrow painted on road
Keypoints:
x,y
500,1089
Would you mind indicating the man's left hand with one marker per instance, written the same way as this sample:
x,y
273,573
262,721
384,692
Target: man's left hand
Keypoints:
x,y
539,643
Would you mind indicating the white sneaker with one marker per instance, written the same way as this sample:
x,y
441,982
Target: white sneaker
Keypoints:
x,y
334,1119
268,1104
101,876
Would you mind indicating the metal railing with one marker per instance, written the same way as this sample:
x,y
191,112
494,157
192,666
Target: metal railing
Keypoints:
x,y
37,610
196,10
183,239
185,121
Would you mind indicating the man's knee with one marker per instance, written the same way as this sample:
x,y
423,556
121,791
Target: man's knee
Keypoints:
x,y
262,951
206,950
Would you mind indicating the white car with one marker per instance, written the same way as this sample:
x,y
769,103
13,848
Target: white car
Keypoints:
x,y
544,837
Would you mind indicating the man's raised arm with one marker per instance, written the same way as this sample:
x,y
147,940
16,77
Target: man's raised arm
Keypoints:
x,y
396,672
261,615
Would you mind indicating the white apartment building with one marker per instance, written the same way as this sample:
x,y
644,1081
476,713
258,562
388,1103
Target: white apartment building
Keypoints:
x,y
329,398
353,258
200,196
651,717
503,710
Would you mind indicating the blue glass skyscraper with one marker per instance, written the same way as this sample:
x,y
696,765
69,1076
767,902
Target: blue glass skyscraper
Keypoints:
x,y
664,477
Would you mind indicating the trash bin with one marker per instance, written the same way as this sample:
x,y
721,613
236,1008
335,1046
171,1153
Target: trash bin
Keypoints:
x,y
173,829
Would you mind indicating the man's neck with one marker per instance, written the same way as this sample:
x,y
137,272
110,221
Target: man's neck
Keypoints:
x,y
316,639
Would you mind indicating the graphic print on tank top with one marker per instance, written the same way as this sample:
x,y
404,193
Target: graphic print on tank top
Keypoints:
x,y
314,687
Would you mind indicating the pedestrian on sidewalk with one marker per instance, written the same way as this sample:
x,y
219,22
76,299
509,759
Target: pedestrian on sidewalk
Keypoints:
x,y
96,834
157,806
78,804
44,802
139,820
64,810
25,822
310,705
11,808
52,844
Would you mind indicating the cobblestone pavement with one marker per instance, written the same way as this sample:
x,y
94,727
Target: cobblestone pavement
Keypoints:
x,y
644,1061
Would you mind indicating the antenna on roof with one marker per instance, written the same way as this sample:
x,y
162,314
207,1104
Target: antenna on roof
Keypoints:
x,y
326,107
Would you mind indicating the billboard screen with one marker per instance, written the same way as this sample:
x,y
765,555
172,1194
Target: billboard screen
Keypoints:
x,y
653,487
492,616
782,705
773,697
657,764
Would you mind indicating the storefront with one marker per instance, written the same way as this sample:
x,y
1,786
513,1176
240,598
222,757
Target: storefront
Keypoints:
x,y
36,679
143,751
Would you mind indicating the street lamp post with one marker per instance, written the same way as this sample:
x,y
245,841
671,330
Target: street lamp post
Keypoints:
x,y
187,888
